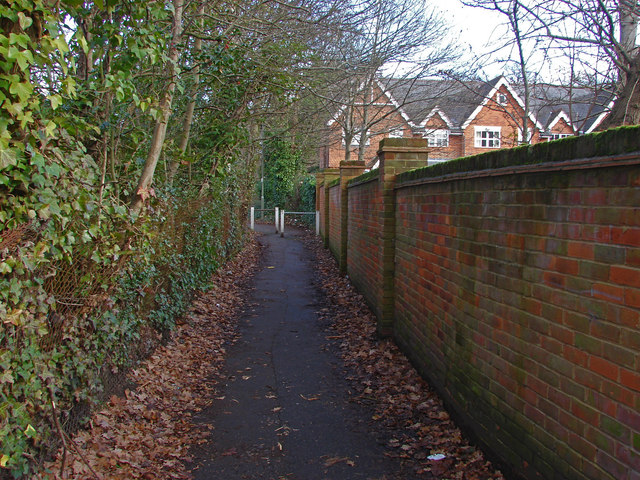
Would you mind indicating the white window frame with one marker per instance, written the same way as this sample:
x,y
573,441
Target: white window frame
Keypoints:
x,y
355,140
438,137
501,98
396,133
558,136
487,137
521,136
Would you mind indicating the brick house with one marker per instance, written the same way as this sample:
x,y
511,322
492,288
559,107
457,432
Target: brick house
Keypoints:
x,y
385,119
466,118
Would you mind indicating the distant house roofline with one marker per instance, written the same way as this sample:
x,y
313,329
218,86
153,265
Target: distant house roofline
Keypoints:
x,y
601,117
396,104
480,93
500,82
561,115
436,110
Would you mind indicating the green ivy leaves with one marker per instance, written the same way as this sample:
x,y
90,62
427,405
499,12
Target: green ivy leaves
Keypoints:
x,y
70,147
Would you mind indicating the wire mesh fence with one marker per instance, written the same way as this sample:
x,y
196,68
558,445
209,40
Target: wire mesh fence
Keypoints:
x,y
82,293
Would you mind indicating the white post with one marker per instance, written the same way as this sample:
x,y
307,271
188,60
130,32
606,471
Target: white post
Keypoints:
x,y
253,218
282,222
317,222
277,220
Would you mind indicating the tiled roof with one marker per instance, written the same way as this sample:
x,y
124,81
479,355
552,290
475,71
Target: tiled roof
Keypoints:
x,y
457,100
583,106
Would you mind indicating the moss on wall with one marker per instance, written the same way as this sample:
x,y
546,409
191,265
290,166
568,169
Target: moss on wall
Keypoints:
x,y
601,144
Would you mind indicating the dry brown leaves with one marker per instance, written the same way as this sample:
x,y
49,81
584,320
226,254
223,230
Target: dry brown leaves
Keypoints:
x,y
147,433
421,432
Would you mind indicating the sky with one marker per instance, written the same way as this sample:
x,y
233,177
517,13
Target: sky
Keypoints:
x,y
475,28
481,30
474,25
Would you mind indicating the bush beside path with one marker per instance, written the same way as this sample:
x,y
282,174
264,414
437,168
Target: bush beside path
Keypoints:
x,y
171,424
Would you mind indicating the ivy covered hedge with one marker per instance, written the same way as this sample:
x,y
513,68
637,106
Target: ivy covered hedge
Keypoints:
x,y
62,344
88,284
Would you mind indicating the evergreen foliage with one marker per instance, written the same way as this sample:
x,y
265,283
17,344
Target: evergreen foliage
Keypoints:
x,y
84,279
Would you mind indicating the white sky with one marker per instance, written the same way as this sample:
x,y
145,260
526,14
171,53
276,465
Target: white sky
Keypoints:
x,y
476,29
479,31
476,25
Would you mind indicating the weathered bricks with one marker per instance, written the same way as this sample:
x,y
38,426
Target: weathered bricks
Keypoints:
x,y
348,170
323,180
558,277
334,196
517,294
396,156
362,241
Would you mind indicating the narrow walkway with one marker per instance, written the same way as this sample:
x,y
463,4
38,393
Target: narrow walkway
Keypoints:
x,y
284,412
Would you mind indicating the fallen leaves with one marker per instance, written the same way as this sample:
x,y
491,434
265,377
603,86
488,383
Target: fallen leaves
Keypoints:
x,y
310,399
421,432
330,462
147,433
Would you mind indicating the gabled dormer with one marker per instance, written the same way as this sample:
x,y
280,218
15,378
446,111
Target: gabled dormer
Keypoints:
x,y
559,127
501,97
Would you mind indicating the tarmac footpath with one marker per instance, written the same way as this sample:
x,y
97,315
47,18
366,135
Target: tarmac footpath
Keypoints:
x,y
284,410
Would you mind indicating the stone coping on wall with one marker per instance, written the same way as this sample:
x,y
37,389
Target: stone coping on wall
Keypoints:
x,y
407,145
333,182
365,178
593,150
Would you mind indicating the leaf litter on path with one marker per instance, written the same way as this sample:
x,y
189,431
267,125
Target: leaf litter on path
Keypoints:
x,y
147,433
420,431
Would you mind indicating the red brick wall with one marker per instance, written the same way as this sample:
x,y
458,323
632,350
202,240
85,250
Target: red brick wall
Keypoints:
x,y
363,246
518,296
320,201
334,219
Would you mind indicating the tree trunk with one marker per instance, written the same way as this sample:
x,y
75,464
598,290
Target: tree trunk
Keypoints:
x,y
628,12
85,62
626,109
348,133
160,130
188,115
515,26
364,133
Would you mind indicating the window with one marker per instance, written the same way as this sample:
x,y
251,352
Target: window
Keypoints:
x,y
502,99
487,137
521,136
355,140
437,138
396,133
557,136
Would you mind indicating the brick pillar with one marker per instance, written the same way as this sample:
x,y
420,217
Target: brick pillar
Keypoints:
x,y
348,170
319,185
396,155
328,175
319,203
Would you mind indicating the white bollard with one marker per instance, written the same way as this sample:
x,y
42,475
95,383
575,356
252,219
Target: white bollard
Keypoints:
x,y
282,223
253,218
317,222
277,219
